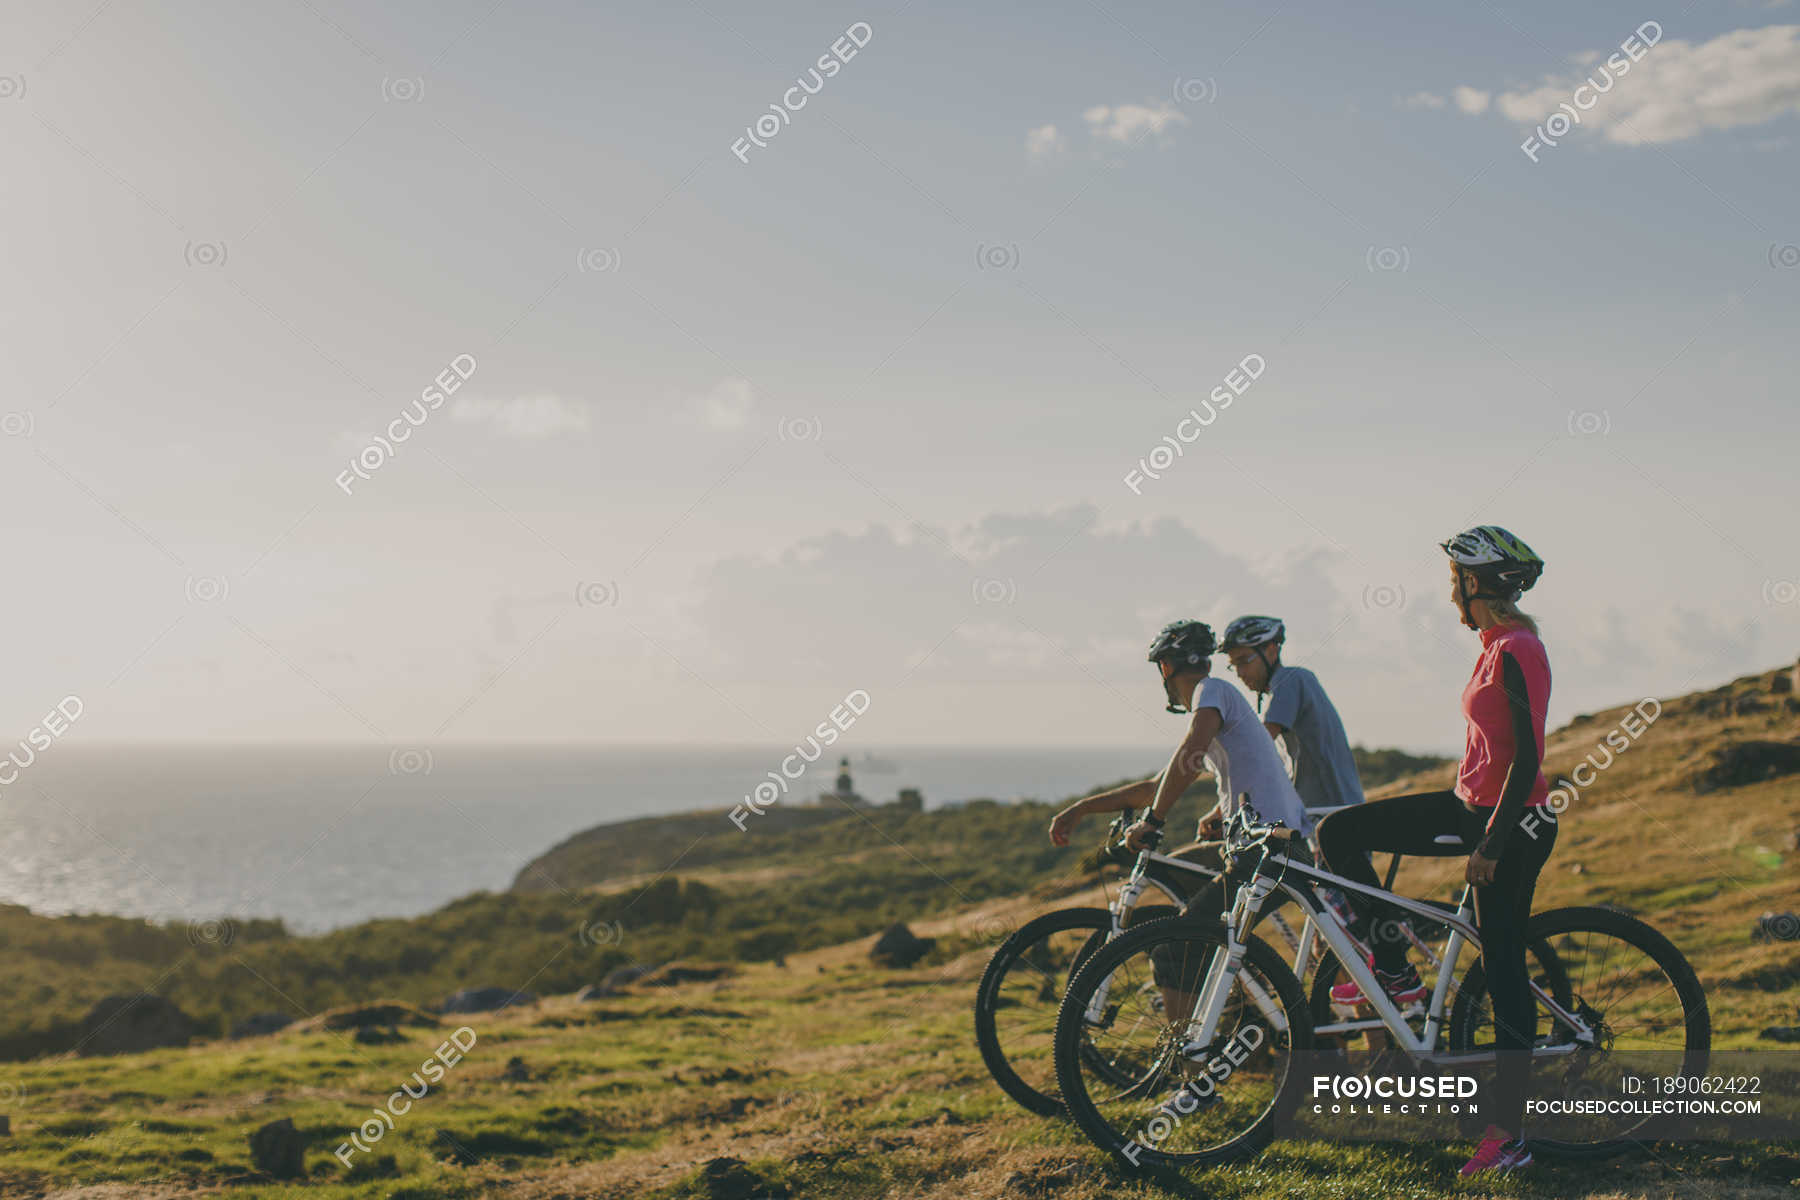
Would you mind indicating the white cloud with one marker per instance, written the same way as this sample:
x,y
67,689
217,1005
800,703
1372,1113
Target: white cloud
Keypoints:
x,y
1423,100
1471,100
523,416
1677,90
724,406
1131,123
897,595
1045,142
1126,124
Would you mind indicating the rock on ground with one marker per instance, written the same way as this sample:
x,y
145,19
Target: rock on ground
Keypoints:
x,y
260,1024
278,1149
485,999
898,946
128,1024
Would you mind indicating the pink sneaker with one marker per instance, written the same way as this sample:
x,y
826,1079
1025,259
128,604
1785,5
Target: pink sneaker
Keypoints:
x,y
1404,988
1497,1154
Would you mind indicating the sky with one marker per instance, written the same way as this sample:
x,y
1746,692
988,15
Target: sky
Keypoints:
x,y
714,423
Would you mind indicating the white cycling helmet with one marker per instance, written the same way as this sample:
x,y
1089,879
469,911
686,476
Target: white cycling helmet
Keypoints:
x,y
1253,631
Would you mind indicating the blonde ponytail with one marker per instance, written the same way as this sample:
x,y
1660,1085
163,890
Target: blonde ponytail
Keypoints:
x,y
1507,613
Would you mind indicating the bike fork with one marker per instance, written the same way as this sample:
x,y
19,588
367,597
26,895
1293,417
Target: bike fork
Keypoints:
x,y
1129,891
1203,1023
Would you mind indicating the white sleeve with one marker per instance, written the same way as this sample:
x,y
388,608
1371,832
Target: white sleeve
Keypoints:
x,y
1208,695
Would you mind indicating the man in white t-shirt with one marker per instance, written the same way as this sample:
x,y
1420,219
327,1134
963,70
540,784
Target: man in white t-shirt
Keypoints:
x,y
1225,734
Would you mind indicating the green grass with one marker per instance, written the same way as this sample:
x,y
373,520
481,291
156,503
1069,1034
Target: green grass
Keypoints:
x,y
831,1085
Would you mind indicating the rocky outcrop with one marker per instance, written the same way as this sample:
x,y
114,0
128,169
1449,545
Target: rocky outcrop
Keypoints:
x,y
898,946
129,1024
485,999
364,1015
1738,763
672,974
260,1025
620,978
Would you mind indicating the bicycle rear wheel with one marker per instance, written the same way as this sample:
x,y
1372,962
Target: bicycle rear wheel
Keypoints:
x,y
1546,970
1634,988
1134,1084
1017,999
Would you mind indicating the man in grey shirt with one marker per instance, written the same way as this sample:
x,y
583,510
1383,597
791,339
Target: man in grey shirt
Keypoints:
x,y
1301,717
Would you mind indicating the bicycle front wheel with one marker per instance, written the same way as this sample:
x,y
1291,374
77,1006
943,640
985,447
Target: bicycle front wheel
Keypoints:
x,y
1135,1082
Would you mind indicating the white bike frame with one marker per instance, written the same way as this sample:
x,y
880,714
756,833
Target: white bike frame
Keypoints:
x,y
1271,874
1304,944
1138,880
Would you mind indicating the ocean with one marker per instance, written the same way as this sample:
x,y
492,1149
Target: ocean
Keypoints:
x,y
327,836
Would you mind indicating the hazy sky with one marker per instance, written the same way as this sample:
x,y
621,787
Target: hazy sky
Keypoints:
x,y
748,428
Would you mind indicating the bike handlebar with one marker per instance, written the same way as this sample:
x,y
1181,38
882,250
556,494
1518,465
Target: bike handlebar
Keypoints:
x,y
1115,833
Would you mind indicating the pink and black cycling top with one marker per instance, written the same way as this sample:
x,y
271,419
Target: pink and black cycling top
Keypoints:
x,y
1505,704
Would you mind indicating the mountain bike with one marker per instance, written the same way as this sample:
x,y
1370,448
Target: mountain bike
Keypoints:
x,y
1020,991
1181,1005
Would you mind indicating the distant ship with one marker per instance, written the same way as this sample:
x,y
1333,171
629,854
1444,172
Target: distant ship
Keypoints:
x,y
877,766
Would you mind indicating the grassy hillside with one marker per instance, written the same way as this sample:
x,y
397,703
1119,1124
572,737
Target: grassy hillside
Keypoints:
x,y
823,1075
825,1079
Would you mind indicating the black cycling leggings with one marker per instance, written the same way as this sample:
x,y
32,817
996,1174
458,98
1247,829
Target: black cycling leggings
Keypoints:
x,y
1409,825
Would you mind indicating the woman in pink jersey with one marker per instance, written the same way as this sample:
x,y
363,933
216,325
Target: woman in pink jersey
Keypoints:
x,y
1500,777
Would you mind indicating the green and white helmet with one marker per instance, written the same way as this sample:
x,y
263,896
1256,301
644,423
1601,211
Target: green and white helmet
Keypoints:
x,y
1503,564
1252,631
